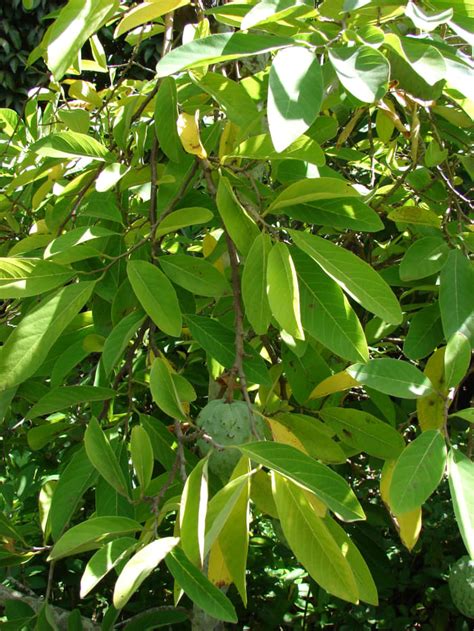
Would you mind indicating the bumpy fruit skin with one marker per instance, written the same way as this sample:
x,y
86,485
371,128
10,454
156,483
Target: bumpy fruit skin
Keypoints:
x,y
461,586
227,424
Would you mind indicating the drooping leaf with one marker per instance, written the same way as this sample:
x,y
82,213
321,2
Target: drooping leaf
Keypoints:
x,y
156,295
241,227
424,333
431,409
254,284
354,275
461,485
139,567
192,513
295,93
232,97
326,485
417,472
166,115
393,377
141,452
283,291
118,339
457,359
199,589
104,560
163,390
146,12
456,298
362,70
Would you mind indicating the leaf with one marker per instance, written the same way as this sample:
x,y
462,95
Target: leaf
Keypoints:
x,y
310,190
325,312
427,21
268,11
457,359
76,22
78,244
364,432
461,486
219,47
68,396
456,298
21,278
218,341
254,284
139,567
163,390
90,534
417,472
241,227
104,560
29,344
327,486
424,333
194,274
354,275
393,377
431,409
141,452
295,94
102,456
166,115
183,218
146,12
192,513
467,414
260,147
70,144
335,383
303,372
415,215
199,589
232,97
188,132
78,475
362,70
282,290
156,295
39,437
119,338
311,541
341,213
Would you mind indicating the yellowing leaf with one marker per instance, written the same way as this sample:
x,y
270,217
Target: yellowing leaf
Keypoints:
x,y
335,383
431,410
283,435
188,131
218,572
415,215
146,12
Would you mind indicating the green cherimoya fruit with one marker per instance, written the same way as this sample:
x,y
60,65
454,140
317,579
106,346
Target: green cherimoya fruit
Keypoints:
x,y
461,586
227,424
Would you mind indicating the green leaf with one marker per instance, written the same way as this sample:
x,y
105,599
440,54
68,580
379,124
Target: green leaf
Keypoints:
x,y
192,513
139,567
427,61
326,313
78,244
102,456
344,213
327,486
392,376
313,189
415,215
39,437
218,341
254,284
77,21
364,432
78,475
461,485
163,390
268,11
427,21
355,276
417,472
363,71
104,560
201,591
119,338
141,452
215,48
311,541
183,218
295,94
261,148
194,274
282,290
166,115
70,144
146,12
232,97
68,396
424,333
456,298
89,535
457,359
21,278
241,227
156,295
467,414
29,344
